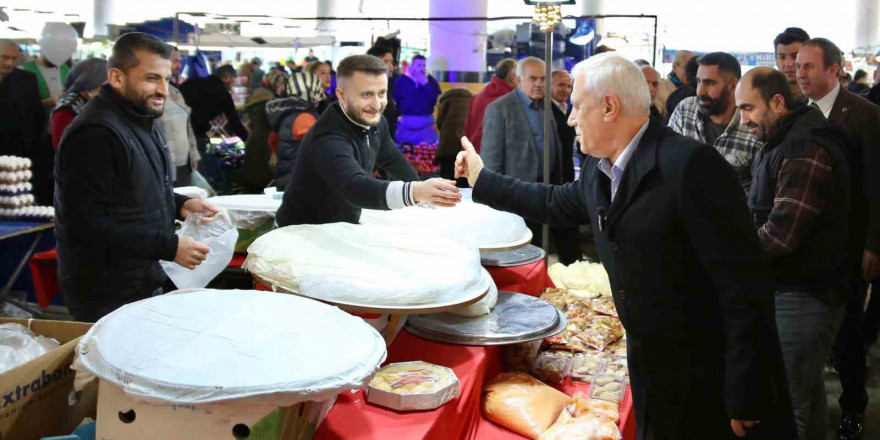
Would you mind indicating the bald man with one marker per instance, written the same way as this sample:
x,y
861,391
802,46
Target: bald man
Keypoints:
x,y
799,200
652,77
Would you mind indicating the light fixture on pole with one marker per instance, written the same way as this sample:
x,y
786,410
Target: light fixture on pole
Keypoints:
x,y
548,14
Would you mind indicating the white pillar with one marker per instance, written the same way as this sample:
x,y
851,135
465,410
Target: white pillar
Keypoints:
x,y
103,12
458,48
867,25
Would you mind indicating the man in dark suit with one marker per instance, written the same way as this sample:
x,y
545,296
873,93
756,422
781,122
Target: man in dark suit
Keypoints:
x,y
22,120
818,66
674,233
513,144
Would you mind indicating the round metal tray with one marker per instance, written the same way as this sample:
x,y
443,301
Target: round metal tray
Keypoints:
x,y
517,257
515,318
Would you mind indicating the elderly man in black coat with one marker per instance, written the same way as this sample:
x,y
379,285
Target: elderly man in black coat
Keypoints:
x,y
673,231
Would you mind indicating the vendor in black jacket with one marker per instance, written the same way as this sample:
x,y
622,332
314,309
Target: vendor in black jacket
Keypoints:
x,y
114,205
332,180
687,275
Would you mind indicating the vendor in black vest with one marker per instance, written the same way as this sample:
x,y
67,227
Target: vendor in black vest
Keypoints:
x,y
332,180
800,202
114,205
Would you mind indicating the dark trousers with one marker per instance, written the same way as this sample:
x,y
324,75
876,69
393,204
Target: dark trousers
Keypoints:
x,y
872,314
567,241
850,351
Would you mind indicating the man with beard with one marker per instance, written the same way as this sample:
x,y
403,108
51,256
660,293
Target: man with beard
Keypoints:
x,y
786,45
114,206
799,200
711,116
332,180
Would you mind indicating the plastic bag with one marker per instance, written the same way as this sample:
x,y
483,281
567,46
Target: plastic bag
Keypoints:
x,y
585,419
197,179
18,346
219,235
522,404
483,306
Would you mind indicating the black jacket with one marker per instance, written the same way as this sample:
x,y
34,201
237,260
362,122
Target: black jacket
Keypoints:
x,y
114,208
208,98
861,120
22,118
688,282
818,262
566,141
332,180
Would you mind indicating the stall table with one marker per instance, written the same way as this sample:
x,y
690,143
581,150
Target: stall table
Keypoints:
x,y
352,418
11,229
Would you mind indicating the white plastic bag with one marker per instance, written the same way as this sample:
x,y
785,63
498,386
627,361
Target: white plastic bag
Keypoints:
x,y
19,346
483,306
219,235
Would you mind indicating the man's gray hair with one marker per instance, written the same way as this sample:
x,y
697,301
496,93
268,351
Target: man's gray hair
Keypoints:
x,y
680,55
521,65
612,74
7,42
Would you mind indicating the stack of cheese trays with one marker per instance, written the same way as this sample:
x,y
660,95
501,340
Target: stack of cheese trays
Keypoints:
x,y
592,348
16,200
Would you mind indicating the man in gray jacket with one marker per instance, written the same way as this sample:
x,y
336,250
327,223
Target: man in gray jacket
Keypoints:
x,y
513,145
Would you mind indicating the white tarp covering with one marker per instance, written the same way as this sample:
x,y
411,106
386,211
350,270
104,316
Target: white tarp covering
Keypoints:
x,y
221,345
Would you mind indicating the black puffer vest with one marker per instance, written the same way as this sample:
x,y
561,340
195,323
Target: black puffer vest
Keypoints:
x,y
818,264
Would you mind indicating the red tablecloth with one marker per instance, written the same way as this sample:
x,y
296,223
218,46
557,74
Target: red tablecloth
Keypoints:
x,y
44,271
352,418
530,279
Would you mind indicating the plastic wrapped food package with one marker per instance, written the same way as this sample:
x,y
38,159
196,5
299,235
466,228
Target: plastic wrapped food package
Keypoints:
x,y
602,332
471,224
585,419
556,297
579,310
610,388
407,386
604,306
552,368
375,265
585,367
567,340
616,366
620,348
522,404
18,346
582,279
520,357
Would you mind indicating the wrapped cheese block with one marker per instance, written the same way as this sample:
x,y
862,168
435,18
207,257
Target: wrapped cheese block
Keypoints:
x,y
522,404
372,265
468,223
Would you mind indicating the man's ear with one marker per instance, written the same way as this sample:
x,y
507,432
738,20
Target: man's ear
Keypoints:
x,y
116,78
340,94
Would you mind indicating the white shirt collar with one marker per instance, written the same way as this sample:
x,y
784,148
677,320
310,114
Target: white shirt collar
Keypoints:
x,y
365,127
826,103
563,106
627,152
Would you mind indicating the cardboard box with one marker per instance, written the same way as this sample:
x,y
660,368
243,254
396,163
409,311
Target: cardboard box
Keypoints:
x,y
121,417
35,398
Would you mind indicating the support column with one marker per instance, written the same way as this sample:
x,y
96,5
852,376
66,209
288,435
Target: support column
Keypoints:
x,y
103,13
458,48
867,25
594,7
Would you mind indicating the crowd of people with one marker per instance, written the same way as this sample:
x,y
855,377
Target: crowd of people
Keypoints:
x,y
738,215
